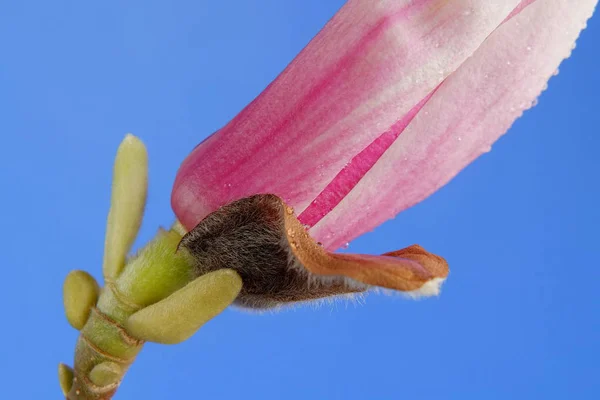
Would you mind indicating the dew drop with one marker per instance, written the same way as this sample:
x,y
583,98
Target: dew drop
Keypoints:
x,y
529,48
346,245
459,139
556,72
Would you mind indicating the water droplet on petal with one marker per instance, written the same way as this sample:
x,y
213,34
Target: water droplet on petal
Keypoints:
x,y
346,245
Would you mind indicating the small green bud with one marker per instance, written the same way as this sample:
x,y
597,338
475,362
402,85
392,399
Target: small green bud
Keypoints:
x,y
129,189
106,373
178,316
80,294
65,378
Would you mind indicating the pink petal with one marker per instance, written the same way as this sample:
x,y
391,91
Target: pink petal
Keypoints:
x,y
468,112
363,73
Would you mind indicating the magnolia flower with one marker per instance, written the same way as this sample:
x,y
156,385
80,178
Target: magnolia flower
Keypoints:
x,y
383,107
386,104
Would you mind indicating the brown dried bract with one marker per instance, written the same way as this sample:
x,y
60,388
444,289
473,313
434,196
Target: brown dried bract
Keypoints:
x,y
261,239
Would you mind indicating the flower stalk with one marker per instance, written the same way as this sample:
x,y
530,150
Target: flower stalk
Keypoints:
x,y
152,296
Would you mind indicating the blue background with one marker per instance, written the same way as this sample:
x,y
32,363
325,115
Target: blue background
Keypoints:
x,y
518,316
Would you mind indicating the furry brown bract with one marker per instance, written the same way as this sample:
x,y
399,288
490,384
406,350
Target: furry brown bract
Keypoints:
x,y
249,237
261,239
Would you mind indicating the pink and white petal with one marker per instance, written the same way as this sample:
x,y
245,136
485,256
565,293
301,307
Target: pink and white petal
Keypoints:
x,y
467,113
368,67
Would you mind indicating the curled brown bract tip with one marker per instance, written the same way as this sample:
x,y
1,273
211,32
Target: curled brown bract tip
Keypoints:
x,y
406,270
261,238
